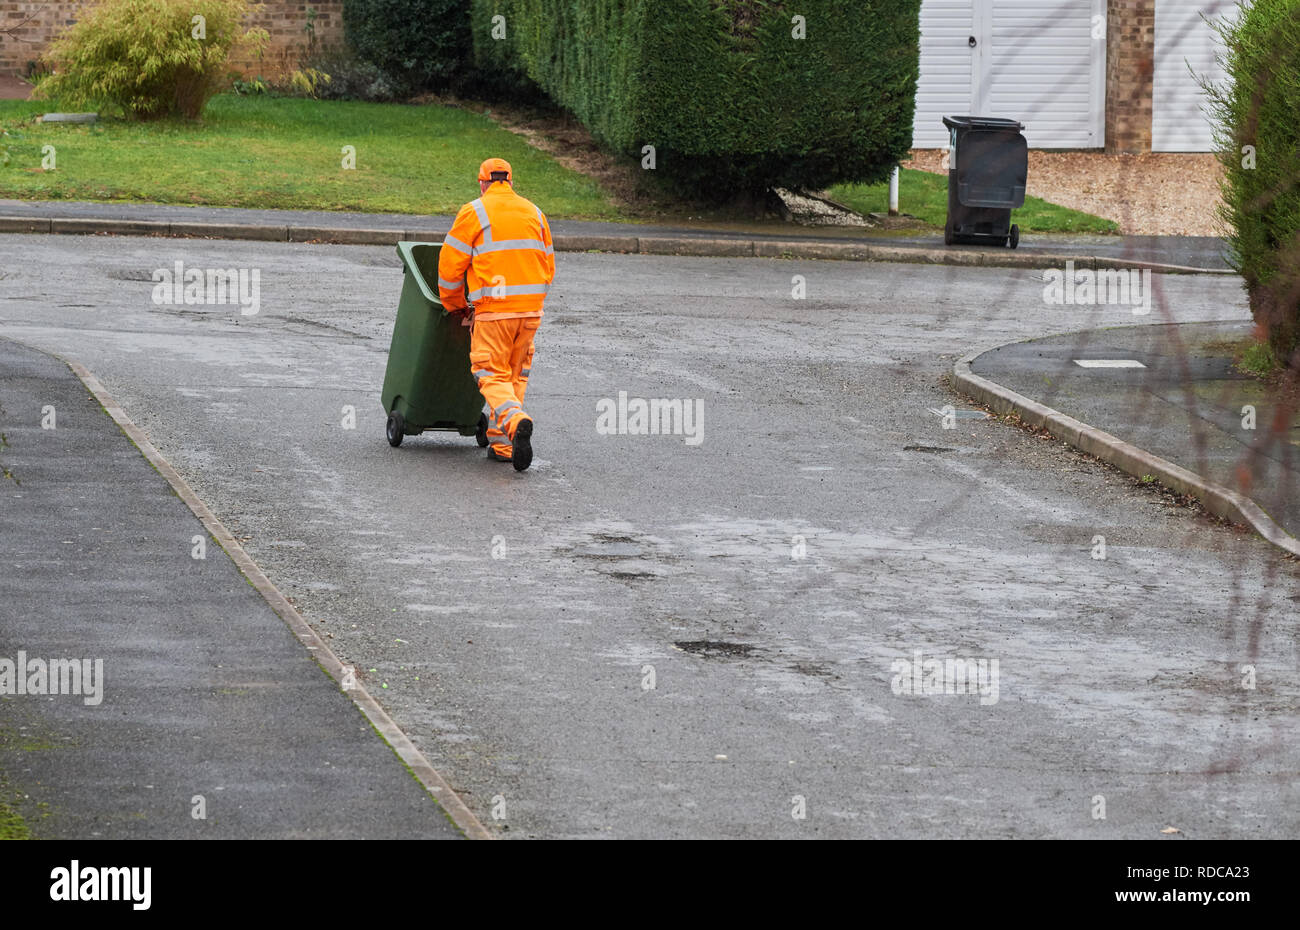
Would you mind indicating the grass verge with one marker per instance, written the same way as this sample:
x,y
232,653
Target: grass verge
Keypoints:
x,y
1257,358
284,153
925,196
1250,355
12,825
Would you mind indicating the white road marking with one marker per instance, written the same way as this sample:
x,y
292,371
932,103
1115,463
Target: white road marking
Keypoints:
x,y
1108,363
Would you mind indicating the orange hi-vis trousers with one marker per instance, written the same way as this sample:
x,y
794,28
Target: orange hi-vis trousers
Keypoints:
x,y
501,358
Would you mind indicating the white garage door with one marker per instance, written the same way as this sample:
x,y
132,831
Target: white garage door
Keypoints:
x,y
1185,47
1033,60
1046,70
946,80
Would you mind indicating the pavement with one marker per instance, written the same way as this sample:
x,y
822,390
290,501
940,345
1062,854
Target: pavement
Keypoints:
x,y
207,703
1183,401
1170,253
645,636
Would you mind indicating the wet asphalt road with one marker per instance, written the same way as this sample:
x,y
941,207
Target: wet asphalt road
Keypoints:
x,y
765,578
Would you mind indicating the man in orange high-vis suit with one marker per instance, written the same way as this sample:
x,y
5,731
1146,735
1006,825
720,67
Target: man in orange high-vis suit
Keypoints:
x,y
501,246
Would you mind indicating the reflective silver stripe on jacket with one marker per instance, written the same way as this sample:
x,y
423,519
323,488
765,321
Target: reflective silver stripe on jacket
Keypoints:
x,y
457,245
549,249
450,285
483,221
509,290
510,245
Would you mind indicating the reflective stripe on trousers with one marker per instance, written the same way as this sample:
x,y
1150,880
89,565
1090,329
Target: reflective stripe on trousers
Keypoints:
x,y
500,352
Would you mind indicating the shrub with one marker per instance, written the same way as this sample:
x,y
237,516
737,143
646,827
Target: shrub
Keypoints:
x,y
731,100
419,45
1259,106
250,87
350,77
150,58
37,69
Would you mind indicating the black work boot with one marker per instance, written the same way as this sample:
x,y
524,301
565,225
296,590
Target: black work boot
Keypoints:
x,y
523,445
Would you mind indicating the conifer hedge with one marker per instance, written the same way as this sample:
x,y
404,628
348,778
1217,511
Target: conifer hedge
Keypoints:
x,y
735,96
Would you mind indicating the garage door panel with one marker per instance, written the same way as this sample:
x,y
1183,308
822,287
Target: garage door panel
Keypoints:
x,y
1044,70
1185,49
944,86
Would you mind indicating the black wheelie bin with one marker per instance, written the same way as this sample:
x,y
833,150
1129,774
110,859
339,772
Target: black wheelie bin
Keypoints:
x,y
988,161
428,384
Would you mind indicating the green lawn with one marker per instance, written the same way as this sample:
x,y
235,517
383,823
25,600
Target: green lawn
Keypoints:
x,y
285,153
12,826
925,196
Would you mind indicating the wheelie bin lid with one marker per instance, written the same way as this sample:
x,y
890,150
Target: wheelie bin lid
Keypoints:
x,y
416,254
982,122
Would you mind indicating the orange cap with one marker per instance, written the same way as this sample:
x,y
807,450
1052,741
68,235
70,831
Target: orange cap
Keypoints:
x,y
494,164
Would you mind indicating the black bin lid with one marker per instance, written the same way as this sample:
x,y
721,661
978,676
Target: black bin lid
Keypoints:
x,y
982,122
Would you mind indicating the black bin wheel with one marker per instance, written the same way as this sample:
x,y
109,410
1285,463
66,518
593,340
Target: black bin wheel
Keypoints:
x,y
1014,239
481,435
396,429
948,237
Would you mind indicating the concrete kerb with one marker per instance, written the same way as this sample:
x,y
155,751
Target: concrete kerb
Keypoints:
x,y
793,248
346,236
230,231
400,743
646,245
687,245
91,227
24,224
594,243
1221,501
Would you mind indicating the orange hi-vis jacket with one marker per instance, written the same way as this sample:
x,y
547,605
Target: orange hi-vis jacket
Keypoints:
x,y
501,245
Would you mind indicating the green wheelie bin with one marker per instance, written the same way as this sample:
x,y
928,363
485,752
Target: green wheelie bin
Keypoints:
x,y
428,384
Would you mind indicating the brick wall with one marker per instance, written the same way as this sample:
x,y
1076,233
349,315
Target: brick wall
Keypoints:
x,y
1130,57
35,23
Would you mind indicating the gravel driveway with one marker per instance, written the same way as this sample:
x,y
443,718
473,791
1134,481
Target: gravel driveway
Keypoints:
x,y
1157,194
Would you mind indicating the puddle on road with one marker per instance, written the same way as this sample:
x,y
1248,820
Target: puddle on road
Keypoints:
x,y
630,576
716,649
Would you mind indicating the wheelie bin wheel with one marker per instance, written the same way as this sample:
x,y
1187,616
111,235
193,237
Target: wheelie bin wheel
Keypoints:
x,y
1014,239
396,429
481,435
948,237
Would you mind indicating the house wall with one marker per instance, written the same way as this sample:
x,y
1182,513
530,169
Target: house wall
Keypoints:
x,y
34,23
1130,54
